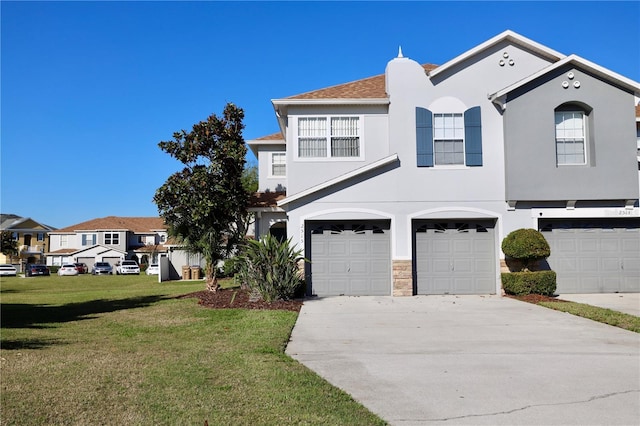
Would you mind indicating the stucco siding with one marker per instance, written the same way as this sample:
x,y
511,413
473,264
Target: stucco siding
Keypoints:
x,y
531,170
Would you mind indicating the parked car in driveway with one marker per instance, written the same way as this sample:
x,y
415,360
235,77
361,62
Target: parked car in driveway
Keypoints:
x,y
34,270
102,268
153,269
82,268
8,271
68,269
127,267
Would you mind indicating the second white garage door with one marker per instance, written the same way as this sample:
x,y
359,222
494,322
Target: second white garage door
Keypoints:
x,y
350,258
455,257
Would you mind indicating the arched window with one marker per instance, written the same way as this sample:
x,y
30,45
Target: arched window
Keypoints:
x,y
571,134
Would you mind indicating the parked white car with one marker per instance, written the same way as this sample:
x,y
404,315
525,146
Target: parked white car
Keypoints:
x,y
127,267
153,269
68,269
8,271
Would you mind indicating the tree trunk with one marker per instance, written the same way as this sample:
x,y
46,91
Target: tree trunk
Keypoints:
x,y
212,280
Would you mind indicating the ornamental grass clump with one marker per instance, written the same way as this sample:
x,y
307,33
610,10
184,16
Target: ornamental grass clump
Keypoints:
x,y
524,249
269,268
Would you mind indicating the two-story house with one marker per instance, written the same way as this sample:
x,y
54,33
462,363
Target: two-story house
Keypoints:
x,y
407,182
30,236
109,239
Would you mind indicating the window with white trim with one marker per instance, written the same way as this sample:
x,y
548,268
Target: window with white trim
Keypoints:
x,y
112,238
329,137
448,139
570,138
278,164
88,239
64,241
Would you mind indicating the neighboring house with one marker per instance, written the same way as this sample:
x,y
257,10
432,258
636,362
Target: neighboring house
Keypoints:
x,y
31,237
406,183
109,239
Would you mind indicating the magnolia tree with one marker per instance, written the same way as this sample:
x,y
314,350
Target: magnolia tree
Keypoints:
x,y
205,204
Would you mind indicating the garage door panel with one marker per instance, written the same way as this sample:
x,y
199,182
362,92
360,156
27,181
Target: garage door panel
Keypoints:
x,y
452,258
349,258
594,255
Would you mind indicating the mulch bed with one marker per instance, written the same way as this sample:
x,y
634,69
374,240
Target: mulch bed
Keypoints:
x,y
240,299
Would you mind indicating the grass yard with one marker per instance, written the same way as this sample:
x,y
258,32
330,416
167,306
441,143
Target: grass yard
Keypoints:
x,y
603,315
116,350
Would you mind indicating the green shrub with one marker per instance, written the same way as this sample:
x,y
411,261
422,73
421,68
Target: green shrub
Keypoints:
x,y
527,246
270,268
521,283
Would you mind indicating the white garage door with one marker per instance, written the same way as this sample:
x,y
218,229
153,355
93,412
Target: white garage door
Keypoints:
x,y
594,255
455,257
350,258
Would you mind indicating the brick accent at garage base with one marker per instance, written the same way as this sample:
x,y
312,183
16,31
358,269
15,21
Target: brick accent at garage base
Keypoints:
x,y
402,278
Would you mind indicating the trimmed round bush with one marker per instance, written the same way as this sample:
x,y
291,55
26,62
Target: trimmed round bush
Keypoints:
x,y
522,283
526,245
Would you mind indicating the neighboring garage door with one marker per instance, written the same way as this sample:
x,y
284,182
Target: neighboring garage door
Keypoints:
x,y
89,261
350,258
594,255
455,257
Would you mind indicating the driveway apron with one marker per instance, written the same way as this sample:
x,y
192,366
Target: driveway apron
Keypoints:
x,y
473,360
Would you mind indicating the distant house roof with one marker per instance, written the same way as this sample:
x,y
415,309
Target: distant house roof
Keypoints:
x,y
12,221
139,225
265,200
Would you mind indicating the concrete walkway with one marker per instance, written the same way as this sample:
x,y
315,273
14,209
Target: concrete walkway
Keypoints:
x,y
628,303
473,360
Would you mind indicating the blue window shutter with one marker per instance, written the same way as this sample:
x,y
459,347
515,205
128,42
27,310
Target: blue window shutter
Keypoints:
x,y
473,137
424,137
84,239
93,239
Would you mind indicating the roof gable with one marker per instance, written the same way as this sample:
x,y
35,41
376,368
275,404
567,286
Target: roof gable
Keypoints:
x,y
508,36
578,62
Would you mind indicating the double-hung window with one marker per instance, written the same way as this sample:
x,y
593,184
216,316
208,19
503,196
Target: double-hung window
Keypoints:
x,y
570,138
88,239
329,137
448,139
278,164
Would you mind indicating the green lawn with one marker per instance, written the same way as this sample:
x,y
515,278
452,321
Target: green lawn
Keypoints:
x,y
603,315
116,350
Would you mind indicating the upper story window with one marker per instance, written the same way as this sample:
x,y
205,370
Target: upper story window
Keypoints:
x,y
88,239
40,236
448,139
163,238
278,164
64,240
329,137
112,238
445,139
15,236
570,137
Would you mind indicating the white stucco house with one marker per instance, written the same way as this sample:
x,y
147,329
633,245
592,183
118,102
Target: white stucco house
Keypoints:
x,y
108,239
406,182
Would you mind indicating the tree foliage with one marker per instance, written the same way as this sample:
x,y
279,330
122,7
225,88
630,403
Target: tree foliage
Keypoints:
x,y
9,245
202,203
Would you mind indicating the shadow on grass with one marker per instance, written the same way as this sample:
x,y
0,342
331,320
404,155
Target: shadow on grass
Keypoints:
x,y
20,315
27,344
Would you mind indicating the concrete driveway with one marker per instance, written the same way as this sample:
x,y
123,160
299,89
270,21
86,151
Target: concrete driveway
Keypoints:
x,y
473,360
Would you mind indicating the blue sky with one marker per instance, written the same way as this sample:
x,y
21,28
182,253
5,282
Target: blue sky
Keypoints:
x,y
88,89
